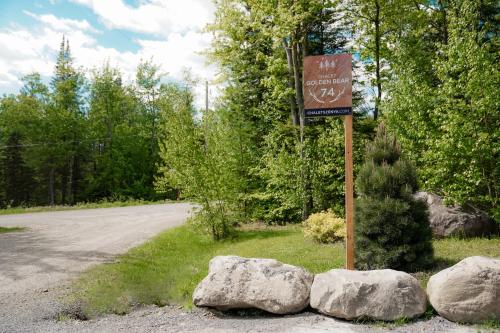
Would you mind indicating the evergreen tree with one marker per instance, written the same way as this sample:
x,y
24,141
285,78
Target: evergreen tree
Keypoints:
x,y
108,110
67,104
150,92
122,164
19,126
392,228
18,177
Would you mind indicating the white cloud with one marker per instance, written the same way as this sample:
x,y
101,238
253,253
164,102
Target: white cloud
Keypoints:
x,y
159,17
177,51
62,24
23,51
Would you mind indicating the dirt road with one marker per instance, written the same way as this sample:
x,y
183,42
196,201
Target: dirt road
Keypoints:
x,y
57,245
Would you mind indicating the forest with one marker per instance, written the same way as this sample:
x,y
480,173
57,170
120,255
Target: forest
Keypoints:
x,y
427,69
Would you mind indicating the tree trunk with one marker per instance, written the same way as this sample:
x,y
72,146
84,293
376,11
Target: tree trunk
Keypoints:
x,y
64,184
297,60
293,103
51,186
75,178
444,22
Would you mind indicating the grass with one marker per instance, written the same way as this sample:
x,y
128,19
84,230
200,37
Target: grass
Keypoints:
x,y
81,205
490,324
4,230
167,269
428,314
449,251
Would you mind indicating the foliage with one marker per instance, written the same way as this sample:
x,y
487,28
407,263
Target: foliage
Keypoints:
x,y
431,64
67,107
123,162
469,116
392,228
80,141
282,195
264,85
18,177
371,24
324,227
205,161
325,162
444,106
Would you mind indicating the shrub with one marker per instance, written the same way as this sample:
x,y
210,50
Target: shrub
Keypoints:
x,y
392,228
324,227
200,161
214,220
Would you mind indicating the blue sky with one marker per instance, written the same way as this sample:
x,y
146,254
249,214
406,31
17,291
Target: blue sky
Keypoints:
x,y
121,31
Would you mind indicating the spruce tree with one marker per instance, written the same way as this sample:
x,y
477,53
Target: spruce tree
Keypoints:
x,y
67,85
392,228
18,178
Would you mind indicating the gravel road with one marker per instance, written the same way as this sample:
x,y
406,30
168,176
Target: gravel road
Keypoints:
x,y
38,264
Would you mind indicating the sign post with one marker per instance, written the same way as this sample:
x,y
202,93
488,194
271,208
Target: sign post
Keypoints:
x,y
349,193
327,90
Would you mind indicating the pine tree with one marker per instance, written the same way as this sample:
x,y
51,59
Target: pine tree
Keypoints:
x,y
18,177
392,228
67,85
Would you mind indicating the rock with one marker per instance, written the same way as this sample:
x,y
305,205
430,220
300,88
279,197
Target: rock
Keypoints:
x,y
266,284
468,291
379,294
456,220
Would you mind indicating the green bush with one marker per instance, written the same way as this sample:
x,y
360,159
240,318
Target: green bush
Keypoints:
x,y
213,220
324,227
392,228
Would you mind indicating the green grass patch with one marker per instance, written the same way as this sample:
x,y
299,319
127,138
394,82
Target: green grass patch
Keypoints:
x,y
82,205
4,230
449,251
167,269
490,324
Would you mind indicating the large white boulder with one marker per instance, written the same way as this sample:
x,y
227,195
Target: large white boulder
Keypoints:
x,y
266,284
456,220
468,291
379,294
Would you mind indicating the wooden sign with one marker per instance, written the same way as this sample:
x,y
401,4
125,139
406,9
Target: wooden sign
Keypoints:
x,y
328,85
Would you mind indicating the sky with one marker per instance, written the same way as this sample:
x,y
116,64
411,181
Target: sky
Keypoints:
x,y
119,31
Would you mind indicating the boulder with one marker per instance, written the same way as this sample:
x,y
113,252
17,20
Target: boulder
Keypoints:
x,y
456,220
468,291
379,294
266,284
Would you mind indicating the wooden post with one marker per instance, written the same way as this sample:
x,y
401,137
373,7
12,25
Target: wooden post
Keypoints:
x,y
349,193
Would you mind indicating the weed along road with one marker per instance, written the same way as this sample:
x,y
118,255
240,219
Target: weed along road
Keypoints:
x,y
57,245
